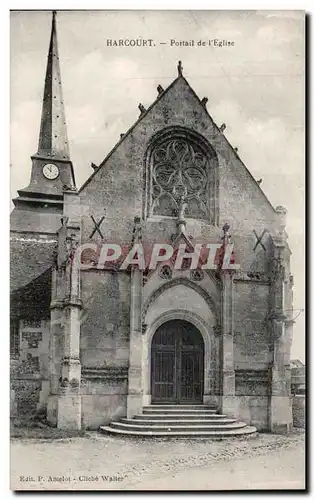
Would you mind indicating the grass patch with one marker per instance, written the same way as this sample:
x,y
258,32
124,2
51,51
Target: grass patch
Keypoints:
x,y
38,428
44,433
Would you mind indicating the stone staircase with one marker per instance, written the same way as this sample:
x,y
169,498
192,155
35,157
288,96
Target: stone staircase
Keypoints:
x,y
179,420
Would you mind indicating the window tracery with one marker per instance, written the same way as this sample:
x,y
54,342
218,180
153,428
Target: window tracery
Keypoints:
x,y
181,171
165,272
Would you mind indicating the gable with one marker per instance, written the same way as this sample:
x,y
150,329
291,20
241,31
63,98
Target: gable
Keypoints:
x,y
117,186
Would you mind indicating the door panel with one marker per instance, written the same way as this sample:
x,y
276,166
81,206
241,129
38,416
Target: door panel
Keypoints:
x,y
177,363
191,376
163,380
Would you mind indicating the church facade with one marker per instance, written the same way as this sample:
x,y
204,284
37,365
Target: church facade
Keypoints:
x,y
93,340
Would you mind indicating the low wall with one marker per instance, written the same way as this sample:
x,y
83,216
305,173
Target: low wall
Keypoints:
x,y
252,393
253,410
103,395
298,396
298,410
26,391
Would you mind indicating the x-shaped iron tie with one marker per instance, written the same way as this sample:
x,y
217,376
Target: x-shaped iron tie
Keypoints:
x,y
259,238
97,226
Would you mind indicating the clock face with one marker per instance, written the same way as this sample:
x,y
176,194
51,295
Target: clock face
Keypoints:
x,y
50,171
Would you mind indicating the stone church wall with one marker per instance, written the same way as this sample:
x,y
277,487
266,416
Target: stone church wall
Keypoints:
x,y
252,389
251,353
104,397
250,326
105,319
104,346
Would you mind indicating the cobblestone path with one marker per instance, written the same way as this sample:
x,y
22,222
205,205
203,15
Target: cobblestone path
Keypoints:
x,y
108,462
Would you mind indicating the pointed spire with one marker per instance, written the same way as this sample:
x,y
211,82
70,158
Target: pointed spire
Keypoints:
x,y
53,140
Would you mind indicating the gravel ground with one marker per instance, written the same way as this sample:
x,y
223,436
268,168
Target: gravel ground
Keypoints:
x,y
103,462
276,470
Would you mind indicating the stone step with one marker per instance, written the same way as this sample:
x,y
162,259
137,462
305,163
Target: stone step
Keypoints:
x,y
179,421
213,434
178,411
162,427
179,416
180,407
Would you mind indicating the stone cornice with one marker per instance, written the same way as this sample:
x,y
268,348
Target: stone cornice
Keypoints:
x,y
251,375
57,304
73,302
251,280
105,373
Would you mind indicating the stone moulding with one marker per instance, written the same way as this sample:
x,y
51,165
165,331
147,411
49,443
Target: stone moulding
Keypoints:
x,y
252,375
108,373
251,276
254,383
253,280
27,376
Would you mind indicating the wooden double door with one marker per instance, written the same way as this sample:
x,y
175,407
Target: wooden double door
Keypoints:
x,y
177,361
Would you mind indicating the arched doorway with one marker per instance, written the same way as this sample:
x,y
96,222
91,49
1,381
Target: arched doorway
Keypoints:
x,y
177,358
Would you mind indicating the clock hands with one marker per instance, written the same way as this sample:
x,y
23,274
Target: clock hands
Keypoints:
x,y
50,171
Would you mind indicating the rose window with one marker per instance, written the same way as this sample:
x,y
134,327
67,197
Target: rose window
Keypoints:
x,y
180,174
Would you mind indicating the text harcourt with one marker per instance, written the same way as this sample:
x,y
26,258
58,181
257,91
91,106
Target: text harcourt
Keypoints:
x,y
133,42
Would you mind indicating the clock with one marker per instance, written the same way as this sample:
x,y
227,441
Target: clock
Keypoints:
x,y
50,171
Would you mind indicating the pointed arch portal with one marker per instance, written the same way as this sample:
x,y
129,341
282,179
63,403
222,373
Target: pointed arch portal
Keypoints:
x,y
177,363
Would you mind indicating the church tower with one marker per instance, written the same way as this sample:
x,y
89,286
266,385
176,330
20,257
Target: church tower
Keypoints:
x,y
52,170
34,224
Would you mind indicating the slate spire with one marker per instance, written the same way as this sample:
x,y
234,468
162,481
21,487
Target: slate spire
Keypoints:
x,y
53,139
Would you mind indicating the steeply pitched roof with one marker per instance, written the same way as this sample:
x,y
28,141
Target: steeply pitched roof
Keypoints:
x,y
145,113
123,138
296,363
53,141
29,258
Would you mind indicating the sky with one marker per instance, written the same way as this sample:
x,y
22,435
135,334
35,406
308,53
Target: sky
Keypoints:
x,y
255,87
